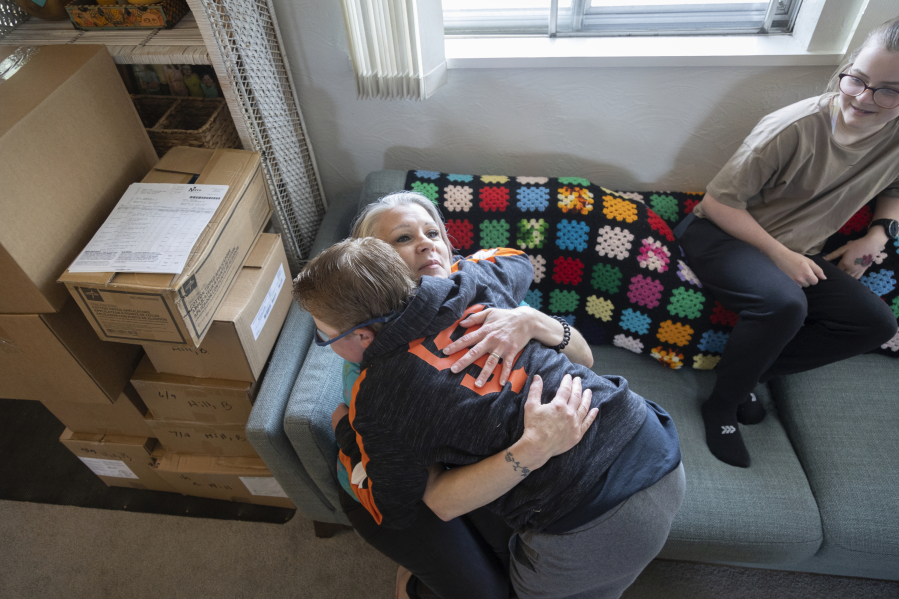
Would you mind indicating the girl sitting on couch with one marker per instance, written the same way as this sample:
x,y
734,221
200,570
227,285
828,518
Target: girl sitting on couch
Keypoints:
x,y
755,240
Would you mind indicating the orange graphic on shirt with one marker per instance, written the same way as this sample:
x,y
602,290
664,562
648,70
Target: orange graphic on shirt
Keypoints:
x,y
442,362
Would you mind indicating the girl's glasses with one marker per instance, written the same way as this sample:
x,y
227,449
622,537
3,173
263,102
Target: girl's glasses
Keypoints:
x,y
884,97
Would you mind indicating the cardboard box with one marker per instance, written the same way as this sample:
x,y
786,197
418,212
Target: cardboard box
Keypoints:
x,y
71,143
246,325
57,357
179,308
190,399
125,417
202,439
118,461
246,480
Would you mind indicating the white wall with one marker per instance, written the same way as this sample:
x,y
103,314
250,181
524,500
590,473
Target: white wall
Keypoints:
x,y
624,128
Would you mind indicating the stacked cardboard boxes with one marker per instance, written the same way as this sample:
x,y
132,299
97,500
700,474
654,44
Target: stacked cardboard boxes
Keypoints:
x,y
71,143
207,331
200,398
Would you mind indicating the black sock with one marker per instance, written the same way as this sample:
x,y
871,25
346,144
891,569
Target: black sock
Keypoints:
x,y
751,411
722,434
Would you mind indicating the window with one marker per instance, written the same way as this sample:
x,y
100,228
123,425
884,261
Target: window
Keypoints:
x,y
595,18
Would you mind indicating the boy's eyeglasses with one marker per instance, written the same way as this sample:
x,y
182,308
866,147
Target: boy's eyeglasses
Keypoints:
x,y
322,339
884,97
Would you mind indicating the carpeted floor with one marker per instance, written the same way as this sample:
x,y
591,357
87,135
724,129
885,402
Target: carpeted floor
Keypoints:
x,y
53,543
51,551
35,466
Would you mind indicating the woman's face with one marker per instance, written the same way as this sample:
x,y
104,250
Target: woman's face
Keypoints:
x,y
877,67
412,232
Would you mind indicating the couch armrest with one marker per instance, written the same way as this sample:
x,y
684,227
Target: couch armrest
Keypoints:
x,y
265,426
311,486
307,420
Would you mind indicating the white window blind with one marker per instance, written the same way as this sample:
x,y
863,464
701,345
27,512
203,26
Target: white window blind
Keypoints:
x,y
571,18
396,47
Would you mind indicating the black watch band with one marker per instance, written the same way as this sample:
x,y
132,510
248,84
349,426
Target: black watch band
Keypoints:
x,y
889,225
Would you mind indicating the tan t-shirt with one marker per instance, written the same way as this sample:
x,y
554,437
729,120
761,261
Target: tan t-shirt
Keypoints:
x,y
798,183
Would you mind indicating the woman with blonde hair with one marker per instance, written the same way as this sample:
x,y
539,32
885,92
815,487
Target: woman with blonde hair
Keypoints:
x,y
468,556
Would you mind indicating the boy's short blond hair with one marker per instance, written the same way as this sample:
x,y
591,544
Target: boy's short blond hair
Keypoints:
x,y
353,281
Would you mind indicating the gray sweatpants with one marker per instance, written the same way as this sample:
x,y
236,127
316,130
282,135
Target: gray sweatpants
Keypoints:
x,y
602,558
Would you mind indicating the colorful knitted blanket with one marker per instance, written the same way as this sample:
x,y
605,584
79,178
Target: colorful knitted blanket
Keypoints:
x,y
607,261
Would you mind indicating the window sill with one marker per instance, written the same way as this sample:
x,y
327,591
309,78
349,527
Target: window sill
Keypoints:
x,y
677,51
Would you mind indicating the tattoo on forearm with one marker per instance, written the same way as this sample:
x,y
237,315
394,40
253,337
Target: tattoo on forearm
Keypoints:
x,y
865,260
516,465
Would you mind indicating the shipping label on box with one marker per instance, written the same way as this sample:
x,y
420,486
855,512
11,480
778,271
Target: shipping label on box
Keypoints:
x,y
263,486
245,326
203,439
152,229
112,468
265,310
179,308
119,461
123,315
173,397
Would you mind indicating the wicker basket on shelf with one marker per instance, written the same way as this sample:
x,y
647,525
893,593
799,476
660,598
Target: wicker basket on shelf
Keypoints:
x,y
151,109
186,121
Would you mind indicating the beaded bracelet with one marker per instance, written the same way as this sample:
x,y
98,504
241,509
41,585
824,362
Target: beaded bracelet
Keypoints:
x,y
566,333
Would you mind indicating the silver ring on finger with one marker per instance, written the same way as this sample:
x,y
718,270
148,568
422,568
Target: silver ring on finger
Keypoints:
x,y
495,355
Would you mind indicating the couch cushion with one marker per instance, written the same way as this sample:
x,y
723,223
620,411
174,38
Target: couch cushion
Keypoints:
x,y
846,435
761,515
307,421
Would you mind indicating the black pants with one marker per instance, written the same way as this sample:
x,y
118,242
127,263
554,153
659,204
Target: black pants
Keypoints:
x,y
465,558
782,328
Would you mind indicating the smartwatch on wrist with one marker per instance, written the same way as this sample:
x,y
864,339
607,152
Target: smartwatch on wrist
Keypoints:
x,y
889,225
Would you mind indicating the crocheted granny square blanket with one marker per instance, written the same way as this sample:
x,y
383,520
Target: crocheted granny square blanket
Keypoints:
x,y
607,261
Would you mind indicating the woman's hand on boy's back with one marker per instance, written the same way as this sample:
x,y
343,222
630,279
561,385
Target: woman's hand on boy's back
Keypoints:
x,y
549,430
503,333
500,334
552,428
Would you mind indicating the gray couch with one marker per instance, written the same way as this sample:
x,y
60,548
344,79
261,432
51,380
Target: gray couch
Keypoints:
x,y
822,494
